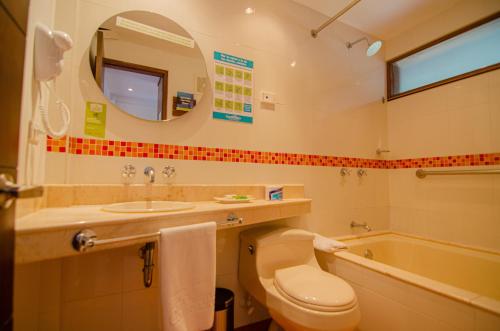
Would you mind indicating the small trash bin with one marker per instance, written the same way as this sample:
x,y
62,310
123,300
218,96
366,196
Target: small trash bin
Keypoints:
x,y
224,310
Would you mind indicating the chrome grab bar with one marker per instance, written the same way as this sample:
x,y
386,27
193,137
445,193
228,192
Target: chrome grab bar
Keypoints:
x,y
421,173
87,238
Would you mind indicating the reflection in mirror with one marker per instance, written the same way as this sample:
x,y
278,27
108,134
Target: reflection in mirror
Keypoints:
x,y
148,66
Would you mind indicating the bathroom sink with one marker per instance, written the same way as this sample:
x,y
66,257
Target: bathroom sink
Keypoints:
x,y
148,206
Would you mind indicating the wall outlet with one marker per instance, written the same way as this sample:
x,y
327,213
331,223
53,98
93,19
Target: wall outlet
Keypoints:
x,y
268,97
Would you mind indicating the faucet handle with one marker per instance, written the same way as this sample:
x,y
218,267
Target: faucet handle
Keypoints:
x,y
344,172
362,172
169,171
128,171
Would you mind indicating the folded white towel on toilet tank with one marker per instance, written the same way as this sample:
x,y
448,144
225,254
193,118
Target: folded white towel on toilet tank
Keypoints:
x,y
327,245
187,272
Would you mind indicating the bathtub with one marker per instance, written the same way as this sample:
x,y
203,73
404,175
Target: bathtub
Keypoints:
x,y
410,283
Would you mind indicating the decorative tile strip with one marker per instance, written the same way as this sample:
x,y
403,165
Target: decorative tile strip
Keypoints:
x,y
88,146
446,161
57,145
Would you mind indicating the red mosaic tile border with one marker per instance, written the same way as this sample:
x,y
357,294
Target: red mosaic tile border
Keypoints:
x,y
446,161
88,146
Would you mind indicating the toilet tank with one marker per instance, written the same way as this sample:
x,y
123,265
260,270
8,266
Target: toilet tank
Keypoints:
x,y
265,249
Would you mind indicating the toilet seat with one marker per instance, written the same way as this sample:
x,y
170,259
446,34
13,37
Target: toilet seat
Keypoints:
x,y
314,289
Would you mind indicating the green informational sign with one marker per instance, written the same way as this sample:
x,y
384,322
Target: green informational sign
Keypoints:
x,y
95,119
233,88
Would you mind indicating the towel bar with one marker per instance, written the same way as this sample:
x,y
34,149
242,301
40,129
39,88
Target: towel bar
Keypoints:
x,y
87,238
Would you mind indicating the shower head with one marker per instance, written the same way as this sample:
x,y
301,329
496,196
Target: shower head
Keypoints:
x,y
372,49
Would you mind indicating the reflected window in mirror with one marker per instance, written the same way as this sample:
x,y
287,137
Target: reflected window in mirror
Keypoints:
x,y
139,90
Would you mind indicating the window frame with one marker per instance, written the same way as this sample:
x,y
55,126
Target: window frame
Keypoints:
x,y
132,67
389,63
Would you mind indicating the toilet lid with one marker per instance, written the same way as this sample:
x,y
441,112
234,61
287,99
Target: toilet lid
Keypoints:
x,y
314,288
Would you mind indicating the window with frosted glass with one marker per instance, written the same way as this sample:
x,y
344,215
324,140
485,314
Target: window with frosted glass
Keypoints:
x,y
467,52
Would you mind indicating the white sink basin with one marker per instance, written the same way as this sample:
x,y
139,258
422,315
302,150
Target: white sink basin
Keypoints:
x,y
148,206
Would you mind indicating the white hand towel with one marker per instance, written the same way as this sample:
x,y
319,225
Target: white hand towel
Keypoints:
x,y
187,272
328,245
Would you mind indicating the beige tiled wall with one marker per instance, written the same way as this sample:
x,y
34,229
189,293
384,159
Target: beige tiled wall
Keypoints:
x,y
458,118
104,291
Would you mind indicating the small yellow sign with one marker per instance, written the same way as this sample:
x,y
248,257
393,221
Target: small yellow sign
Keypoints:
x,y
95,119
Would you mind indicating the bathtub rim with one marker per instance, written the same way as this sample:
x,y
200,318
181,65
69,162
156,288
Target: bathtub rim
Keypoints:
x,y
464,296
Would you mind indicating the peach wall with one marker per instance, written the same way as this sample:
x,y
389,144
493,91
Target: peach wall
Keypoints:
x,y
328,104
458,118
307,95
324,106
31,159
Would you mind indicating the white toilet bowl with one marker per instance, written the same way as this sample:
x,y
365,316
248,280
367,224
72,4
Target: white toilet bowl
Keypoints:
x,y
278,267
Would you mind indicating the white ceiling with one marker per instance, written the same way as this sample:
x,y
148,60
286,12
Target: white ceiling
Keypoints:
x,y
382,18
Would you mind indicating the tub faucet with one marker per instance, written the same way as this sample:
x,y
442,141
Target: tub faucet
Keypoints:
x,y
149,172
361,225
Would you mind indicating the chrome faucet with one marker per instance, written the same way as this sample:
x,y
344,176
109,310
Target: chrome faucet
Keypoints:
x,y
361,225
149,172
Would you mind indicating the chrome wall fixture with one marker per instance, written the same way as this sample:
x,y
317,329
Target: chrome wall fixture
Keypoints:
x,y
315,32
168,172
345,172
363,225
362,172
421,173
128,172
379,151
87,238
149,175
372,49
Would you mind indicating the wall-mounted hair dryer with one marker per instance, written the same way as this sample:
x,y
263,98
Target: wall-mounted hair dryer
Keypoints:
x,y
49,49
48,57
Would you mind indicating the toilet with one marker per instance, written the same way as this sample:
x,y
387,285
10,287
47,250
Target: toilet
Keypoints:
x,y
277,266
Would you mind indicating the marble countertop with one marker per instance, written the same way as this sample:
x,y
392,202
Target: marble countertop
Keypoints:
x,y
48,233
50,219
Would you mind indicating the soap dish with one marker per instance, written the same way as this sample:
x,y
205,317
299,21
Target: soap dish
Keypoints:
x,y
234,198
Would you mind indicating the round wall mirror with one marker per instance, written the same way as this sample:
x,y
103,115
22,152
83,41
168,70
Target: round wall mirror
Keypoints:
x,y
148,66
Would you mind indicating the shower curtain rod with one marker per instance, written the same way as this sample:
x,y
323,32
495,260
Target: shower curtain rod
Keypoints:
x,y
315,32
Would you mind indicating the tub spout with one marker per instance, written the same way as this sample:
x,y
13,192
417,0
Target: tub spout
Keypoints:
x,y
361,225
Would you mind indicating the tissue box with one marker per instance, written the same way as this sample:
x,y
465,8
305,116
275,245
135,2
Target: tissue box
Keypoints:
x,y
274,192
